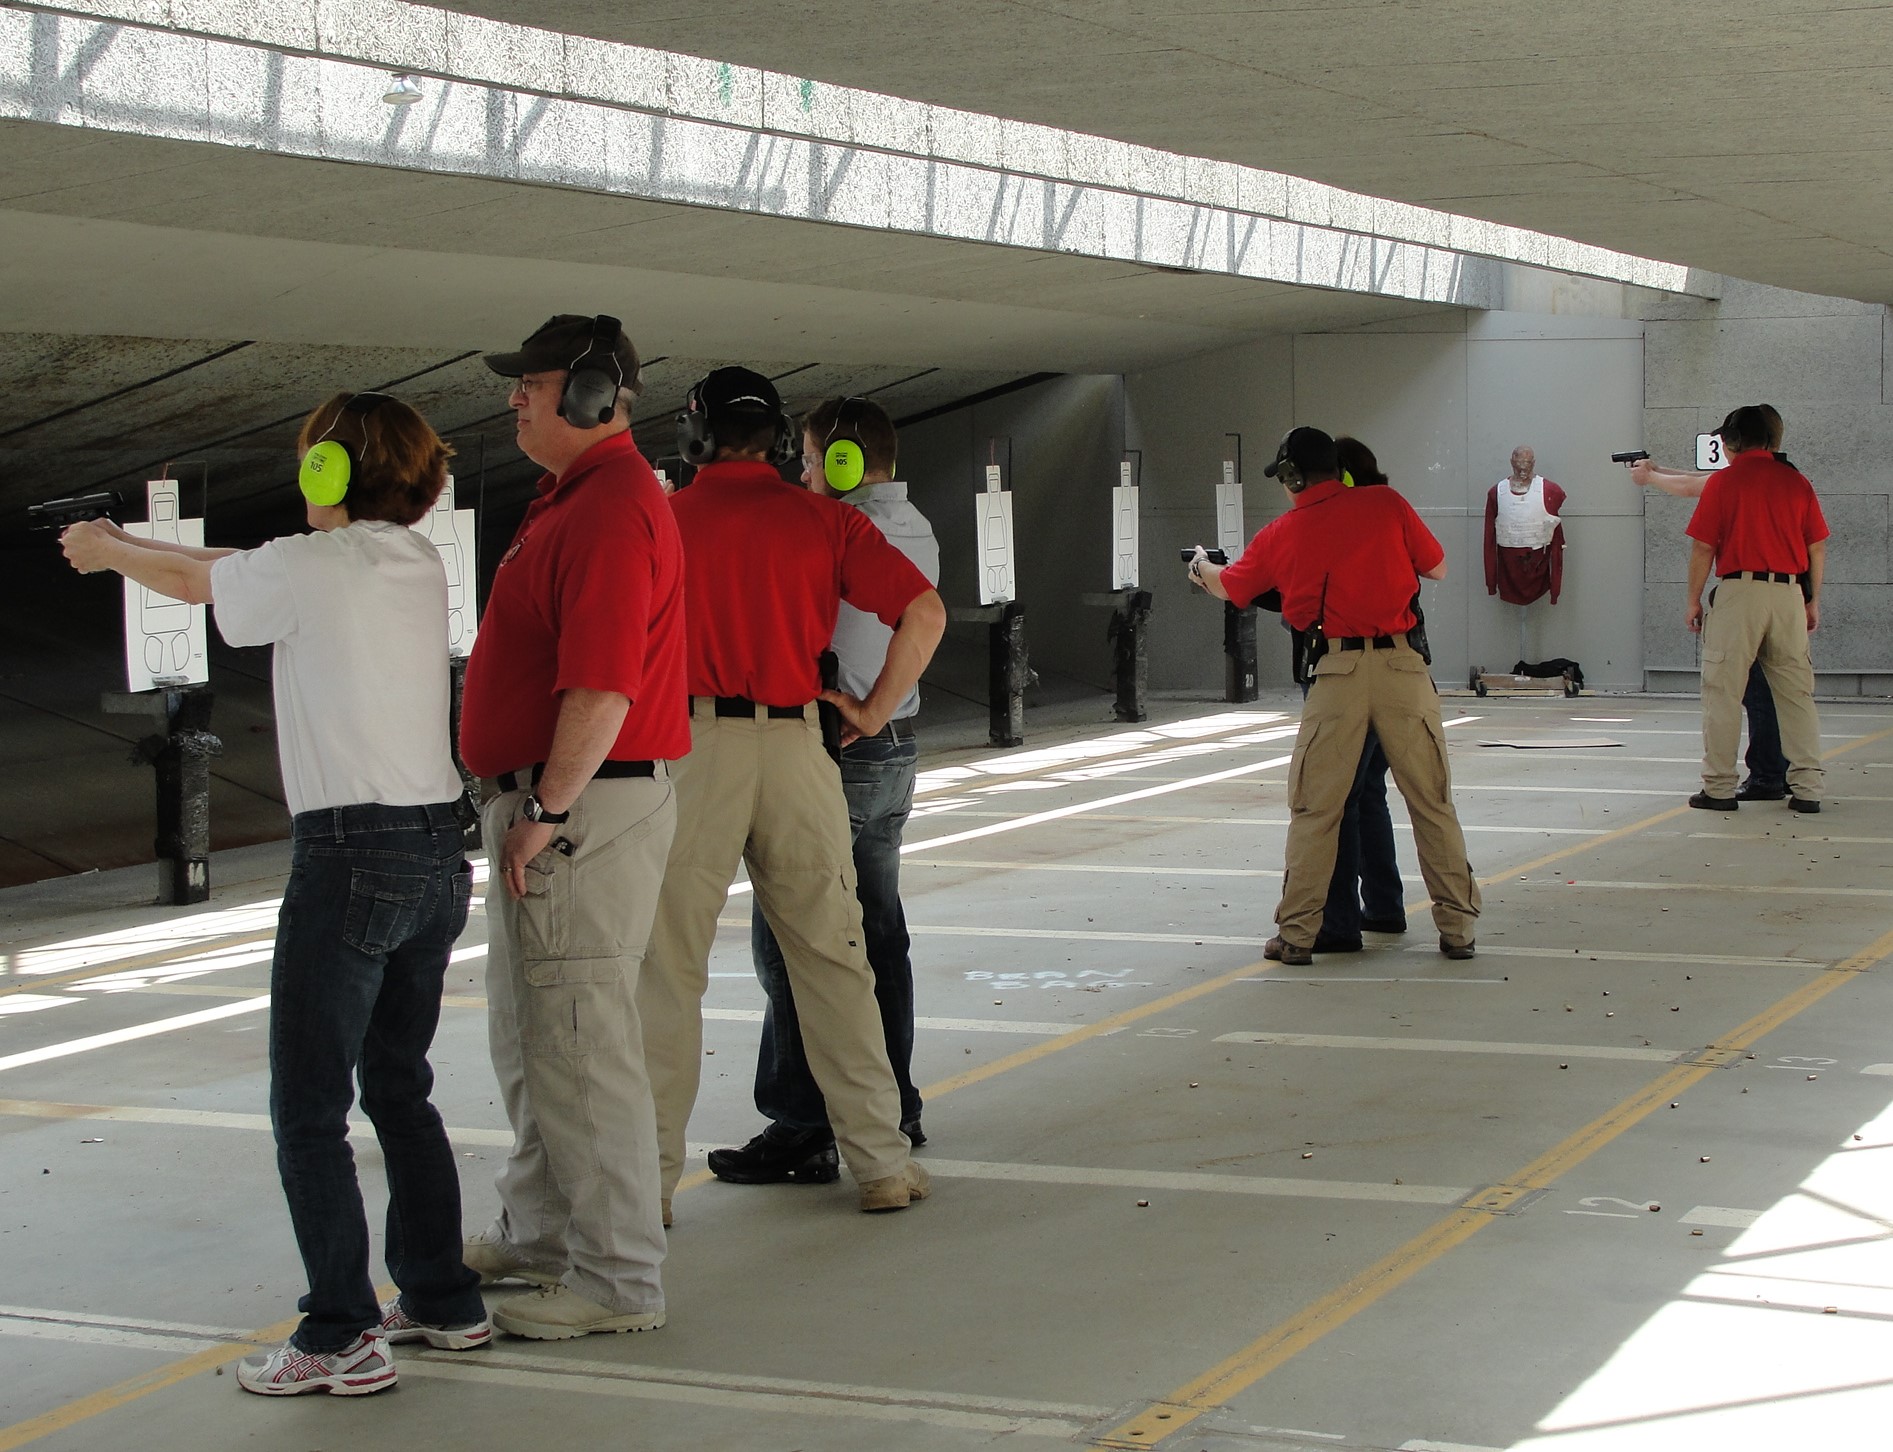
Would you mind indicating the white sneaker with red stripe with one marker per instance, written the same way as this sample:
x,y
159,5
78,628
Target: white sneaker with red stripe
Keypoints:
x,y
361,1367
398,1326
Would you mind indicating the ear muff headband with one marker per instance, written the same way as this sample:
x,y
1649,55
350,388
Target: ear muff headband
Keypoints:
x,y
844,461
330,465
591,393
696,436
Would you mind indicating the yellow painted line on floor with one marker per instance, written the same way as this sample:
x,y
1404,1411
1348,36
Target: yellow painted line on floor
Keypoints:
x,y
132,1388
1280,1344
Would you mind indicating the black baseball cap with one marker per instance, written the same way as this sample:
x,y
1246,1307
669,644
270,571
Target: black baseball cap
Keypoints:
x,y
737,390
562,340
1748,424
1310,451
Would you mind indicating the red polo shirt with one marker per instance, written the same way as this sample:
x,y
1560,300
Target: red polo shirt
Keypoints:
x,y
776,563
591,595
1759,514
1346,559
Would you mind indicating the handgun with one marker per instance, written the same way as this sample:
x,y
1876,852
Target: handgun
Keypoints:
x,y
1629,457
58,513
1215,556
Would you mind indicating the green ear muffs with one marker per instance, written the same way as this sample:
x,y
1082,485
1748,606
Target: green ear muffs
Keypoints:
x,y
325,472
844,465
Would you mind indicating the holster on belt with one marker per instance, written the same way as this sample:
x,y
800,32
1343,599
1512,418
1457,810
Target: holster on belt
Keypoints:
x,y
830,715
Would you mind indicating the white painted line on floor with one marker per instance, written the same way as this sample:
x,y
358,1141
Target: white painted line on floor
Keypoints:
x,y
1722,1216
1075,935
736,1381
1422,1445
1195,1182
137,1031
1610,955
1053,934
1527,787
210,1119
1283,822
1884,1070
946,1025
1740,887
1455,1046
103,1336
1098,867
1308,978
601,1379
129,1323
1774,838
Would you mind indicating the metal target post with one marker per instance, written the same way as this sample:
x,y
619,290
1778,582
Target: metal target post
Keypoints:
x,y
1241,681
1129,605
1009,669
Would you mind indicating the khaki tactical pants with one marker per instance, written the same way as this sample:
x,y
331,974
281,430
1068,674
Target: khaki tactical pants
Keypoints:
x,y
1391,691
1750,621
765,793
579,1192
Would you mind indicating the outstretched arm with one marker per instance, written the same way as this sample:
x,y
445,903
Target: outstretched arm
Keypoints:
x,y
179,571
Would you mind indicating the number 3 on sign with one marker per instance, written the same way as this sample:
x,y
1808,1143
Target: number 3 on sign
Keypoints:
x,y
1709,453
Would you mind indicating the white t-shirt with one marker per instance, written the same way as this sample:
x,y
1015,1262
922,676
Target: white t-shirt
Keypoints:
x,y
358,617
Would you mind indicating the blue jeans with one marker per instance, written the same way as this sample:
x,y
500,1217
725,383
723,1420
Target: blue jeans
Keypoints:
x,y
1365,868
878,777
1766,765
376,897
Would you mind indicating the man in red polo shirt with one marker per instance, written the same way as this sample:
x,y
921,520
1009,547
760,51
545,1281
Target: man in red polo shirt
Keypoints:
x,y
759,788
575,707
1760,525
1349,562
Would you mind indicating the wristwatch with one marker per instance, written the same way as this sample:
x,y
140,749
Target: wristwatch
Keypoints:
x,y
535,811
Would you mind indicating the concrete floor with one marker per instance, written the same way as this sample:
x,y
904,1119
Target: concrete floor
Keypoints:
x,y
1610,1185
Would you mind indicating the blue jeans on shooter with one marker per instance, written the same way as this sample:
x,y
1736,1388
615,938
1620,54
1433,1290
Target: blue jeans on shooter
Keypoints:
x,y
1767,767
1366,872
878,777
376,897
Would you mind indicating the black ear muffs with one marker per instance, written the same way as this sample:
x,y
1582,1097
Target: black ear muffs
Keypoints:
x,y
592,379
332,464
696,441
696,437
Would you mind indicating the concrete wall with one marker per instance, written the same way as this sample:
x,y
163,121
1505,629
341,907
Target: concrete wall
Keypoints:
x,y
1442,401
1823,362
1066,438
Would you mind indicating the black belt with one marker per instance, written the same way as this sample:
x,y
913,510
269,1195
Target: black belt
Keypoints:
x,y
1767,577
1363,642
742,706
889,731
510,780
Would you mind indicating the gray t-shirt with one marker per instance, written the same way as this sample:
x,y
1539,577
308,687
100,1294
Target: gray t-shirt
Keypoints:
x,y
860,638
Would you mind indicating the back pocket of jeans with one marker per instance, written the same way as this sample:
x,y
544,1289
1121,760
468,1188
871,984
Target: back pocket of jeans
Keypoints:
x,y
383,909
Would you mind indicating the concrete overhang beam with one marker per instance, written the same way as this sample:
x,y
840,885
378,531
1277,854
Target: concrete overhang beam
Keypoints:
x,y
304,78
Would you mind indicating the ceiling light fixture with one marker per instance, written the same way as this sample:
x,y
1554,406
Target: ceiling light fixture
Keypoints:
x,y
404,92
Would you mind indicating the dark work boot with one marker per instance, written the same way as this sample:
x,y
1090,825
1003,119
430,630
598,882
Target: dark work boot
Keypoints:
x,y
1753,790
780,1155
1702,801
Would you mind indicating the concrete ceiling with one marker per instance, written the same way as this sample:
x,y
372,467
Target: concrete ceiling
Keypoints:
x,y
86,414
1741,138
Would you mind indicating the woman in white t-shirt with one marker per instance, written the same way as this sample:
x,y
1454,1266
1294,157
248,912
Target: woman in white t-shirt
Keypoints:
x,y
378,884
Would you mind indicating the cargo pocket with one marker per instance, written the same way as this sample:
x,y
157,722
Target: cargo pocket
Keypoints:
x,y
383,909
576,918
